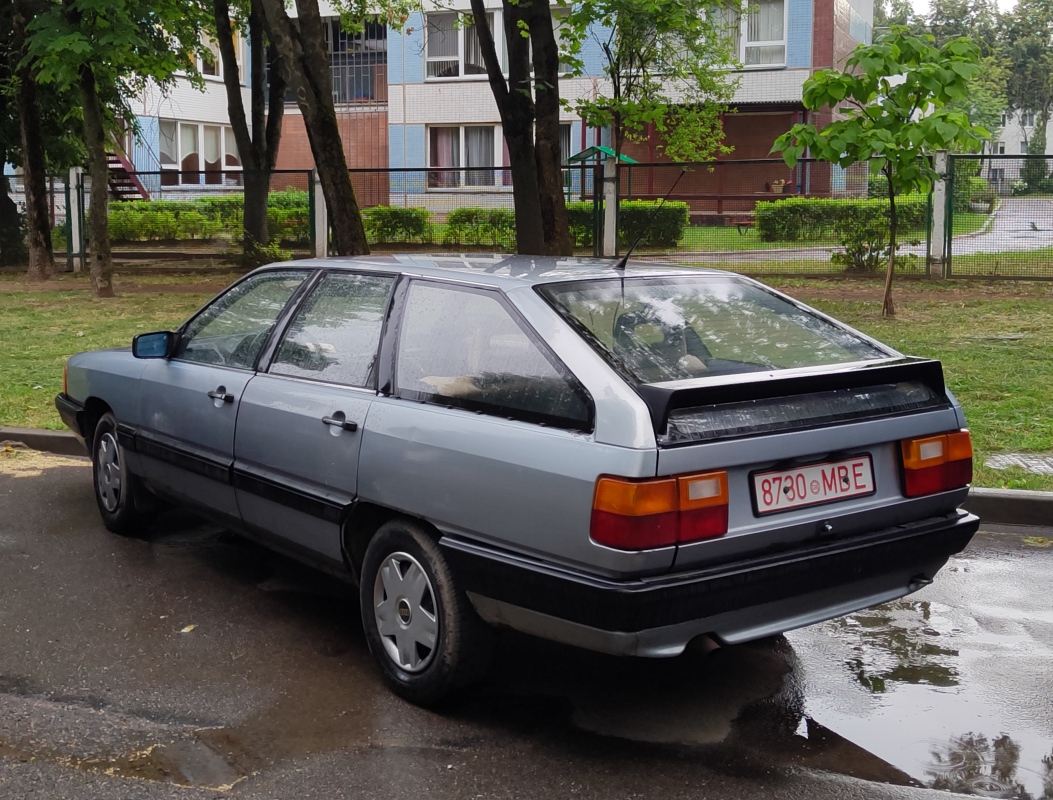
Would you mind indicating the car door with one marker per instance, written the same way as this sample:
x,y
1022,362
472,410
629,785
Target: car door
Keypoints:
x,y
189,402
299,428
485,432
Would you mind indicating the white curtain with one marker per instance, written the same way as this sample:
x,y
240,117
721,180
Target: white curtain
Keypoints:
x,y
479,152
765,24
473,52
442,45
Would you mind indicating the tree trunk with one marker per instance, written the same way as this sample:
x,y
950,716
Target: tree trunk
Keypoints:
x,y
887,307
516,108
546,130
41,258
304,55
101,265
257,139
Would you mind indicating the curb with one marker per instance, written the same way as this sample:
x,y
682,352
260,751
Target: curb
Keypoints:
x,y
993,506
62,442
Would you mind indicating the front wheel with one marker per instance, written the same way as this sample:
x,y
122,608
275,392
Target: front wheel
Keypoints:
x,y
421,628
115,486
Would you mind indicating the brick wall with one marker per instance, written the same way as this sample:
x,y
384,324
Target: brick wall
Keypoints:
x,y
365,135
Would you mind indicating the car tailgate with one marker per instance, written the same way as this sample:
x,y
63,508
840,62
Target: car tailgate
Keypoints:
x,y
809,432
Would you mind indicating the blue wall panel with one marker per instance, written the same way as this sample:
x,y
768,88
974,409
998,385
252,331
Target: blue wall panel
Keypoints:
x,y
406,49
799,33
413,144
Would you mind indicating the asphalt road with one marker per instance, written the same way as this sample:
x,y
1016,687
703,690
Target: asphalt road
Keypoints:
x,y
197,665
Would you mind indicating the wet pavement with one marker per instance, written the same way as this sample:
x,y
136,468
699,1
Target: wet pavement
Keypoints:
x,y
198,665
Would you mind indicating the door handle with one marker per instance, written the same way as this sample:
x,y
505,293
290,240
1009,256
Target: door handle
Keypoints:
x,y
338,420
221,393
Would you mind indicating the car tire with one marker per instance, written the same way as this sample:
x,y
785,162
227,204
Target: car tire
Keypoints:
x,y
116,489
420,626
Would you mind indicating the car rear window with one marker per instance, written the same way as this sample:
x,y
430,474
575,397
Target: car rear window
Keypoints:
x,y
667,329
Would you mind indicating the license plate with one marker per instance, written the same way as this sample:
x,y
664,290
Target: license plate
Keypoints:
x,y
782,490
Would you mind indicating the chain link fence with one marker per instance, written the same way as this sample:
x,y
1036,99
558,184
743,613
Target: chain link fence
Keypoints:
x,y
748,216
1000,217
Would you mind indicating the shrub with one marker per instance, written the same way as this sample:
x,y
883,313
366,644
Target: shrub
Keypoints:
x,y
663,228
58,239
660,226
481,226
388,224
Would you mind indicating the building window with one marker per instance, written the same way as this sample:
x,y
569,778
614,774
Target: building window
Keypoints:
x,y
759,35
566,147
191,153
1004,119
471,147
1027,119
358,62
1000,149
1023,148
453,49
210,62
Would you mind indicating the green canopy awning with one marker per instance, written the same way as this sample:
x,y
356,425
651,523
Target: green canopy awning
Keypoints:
x,y
600,153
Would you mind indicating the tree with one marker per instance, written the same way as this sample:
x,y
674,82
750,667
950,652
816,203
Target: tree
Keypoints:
x,y
41,258
305,65
667,64
1028,35
259,133
108,50
892,97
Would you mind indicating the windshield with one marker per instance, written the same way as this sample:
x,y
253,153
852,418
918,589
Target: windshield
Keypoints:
x,y
668,329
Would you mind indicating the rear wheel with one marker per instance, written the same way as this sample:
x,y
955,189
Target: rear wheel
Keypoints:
x,y
421,628
115,487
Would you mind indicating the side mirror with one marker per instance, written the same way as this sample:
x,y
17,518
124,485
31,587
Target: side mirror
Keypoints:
x,y
153,345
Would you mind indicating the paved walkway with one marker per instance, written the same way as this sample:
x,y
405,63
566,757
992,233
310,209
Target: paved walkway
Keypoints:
x,y
1020,224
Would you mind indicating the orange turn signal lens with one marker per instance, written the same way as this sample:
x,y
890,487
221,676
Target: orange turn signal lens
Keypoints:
x,y
934,464
642,515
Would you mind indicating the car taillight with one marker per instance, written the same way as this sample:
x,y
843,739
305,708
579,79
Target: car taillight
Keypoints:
x,y
937,463
641,515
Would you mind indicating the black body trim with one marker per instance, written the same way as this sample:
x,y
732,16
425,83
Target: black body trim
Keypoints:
x,y
662,399
324,503
70,411
193,459
646,603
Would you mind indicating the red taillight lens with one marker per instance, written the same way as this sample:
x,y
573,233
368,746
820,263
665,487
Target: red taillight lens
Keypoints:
x,y
939,463
641,515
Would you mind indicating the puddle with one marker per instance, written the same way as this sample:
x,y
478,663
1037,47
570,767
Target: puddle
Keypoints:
x,y
953,693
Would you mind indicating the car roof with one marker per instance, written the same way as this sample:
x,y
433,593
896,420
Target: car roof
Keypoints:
x,y
504,271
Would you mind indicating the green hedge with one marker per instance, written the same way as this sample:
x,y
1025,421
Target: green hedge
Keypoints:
x,y
662,229
288,218
798,218
494,227
390,224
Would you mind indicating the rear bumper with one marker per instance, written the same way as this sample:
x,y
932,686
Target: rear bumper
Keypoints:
x,y
734,602
72,414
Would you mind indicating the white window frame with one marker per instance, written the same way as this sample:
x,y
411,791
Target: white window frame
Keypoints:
x,y
744,44
226,136
460,26
1027,119
497,27
498,160
239,54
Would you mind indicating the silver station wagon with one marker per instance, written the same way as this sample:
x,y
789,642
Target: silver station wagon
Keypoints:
x,y
622,459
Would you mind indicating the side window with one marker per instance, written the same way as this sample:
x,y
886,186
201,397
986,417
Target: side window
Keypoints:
x,y
232,331
463,348
335,335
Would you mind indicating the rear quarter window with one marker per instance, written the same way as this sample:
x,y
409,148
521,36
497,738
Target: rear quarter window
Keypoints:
x,y
465,348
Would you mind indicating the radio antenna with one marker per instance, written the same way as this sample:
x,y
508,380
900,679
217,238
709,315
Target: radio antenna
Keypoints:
x,y
625,259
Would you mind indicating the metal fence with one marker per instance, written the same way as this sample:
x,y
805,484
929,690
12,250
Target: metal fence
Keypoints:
x,y
753,216
1000,217
12,248
190,216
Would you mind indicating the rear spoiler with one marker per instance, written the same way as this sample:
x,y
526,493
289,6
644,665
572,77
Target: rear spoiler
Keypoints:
x,y
664,398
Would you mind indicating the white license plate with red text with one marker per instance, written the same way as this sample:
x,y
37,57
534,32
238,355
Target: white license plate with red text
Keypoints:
x,y
782,490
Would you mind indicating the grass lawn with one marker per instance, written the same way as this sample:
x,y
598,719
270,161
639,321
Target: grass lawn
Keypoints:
x,y
996,345
995,340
